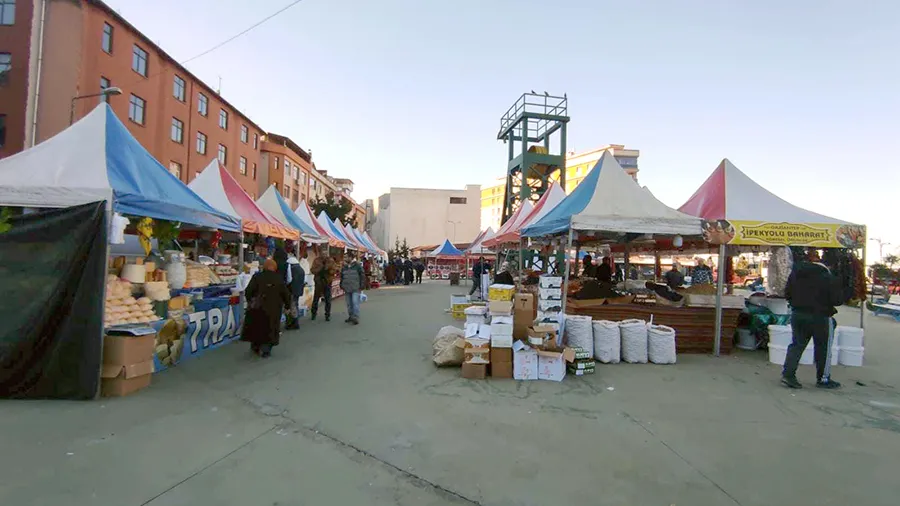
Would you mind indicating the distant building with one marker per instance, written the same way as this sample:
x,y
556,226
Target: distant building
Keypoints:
x,y
577,167
425,216
286,166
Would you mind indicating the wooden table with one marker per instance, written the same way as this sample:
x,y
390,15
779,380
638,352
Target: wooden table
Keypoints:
x,y
694,326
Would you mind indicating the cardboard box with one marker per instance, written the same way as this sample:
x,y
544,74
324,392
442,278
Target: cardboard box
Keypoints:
x,y
542,335
551,282
179,302
498,292
499,355
552,364
500,307
501,341
548,316
122,380
550,293
524,302
502,370
550,306
501,329
128,350
579,372
581,364
474,371
525,362
502,318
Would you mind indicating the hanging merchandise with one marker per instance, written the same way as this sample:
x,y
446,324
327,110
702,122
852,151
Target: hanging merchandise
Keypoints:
x,y
859,277
607,341
117,229
214,242
145,233
780,266
166,232
634,341
840,262
661,344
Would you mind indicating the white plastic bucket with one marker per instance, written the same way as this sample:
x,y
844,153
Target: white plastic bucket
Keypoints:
x,y
851,356
746,340
778,306
780,335
850,337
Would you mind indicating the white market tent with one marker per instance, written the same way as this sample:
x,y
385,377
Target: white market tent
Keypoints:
x,y
272,202
477,247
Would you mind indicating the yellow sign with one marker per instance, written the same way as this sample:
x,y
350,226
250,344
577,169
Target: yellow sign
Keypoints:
x,y
765,233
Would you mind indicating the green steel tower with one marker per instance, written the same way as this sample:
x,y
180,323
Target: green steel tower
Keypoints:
x,y
527,128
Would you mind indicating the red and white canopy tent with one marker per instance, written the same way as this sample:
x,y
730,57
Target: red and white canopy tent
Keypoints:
x,y
547,202
514,223
477,247
738,211
218,188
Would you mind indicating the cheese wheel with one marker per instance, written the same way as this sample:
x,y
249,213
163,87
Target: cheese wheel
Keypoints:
x,y
144,300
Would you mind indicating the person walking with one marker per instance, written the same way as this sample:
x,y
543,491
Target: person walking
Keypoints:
x,y
407,272
353,279
420,268
323,270
266,297
478,269
280,256
296,282
813,293
390,273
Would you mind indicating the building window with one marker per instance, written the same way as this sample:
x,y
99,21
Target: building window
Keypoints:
x,y
276,163
175,169
245,134
5,68
177,134
7,12
223,155
223,119
457,200
243,166
104,84
255,141
254,171
178,88
287,167
139,60
287,192
296,173
136,107
201,143
2,130
275,185
202,104
106,42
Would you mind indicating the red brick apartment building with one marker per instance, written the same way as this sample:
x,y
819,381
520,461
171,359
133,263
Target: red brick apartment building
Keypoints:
x,y
52,51
287,166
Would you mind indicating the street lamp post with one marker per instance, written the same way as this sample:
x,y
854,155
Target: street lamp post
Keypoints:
x,y
105,93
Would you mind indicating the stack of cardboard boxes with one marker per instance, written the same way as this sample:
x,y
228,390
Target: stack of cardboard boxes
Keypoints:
x,y
501,309
127,361
582,364
549,298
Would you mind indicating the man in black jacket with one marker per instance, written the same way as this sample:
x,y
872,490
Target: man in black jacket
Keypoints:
x,y
295,281
813,294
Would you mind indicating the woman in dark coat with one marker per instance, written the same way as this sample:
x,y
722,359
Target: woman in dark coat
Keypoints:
x,y
266,296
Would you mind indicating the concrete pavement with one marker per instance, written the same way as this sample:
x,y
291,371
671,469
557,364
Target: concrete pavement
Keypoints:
x,y
358,415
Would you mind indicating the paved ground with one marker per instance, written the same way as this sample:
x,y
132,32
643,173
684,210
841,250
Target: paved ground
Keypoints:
x,y
358,415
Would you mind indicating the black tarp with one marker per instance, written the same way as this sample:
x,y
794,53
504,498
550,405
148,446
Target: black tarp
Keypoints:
x,y
52,275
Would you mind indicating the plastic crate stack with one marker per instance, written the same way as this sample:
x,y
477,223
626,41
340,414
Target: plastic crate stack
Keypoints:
x,y
549,299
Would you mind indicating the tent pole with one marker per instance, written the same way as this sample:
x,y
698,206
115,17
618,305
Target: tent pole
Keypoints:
x,y
521,268
862,303
241,252
720,287
565,294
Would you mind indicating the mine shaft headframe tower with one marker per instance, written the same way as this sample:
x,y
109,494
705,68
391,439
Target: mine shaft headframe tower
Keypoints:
x,y
527,129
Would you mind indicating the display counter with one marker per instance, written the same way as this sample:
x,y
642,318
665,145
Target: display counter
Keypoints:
x,y
694,326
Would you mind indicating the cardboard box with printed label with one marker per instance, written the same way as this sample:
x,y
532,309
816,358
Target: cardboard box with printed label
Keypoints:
x,y
523,314
501,292
501,329
525,362
551,281
542,335
552,364
501,341
550,293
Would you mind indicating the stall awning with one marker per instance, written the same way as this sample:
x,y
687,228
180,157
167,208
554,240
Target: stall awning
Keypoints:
x,y
273,203
94,159
739,211
220,189
327,224
551,198
477,247
609,200
305,214
514,222
446,250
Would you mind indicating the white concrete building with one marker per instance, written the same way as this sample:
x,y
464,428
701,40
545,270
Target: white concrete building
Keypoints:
x,y
426,216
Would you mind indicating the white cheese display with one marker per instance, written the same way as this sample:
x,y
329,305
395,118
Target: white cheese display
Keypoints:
x,y
227,274
634,341
607,341
661,344
122,308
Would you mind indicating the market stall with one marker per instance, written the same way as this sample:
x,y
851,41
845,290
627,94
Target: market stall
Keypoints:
x,y
94,165
272,202
739,213
609,209
445,261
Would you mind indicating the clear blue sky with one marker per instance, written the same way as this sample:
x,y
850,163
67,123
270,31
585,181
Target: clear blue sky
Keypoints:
x,y
804,96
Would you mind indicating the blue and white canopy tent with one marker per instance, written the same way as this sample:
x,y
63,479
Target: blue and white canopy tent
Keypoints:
x,y
272,202
610,202
97,159
446,250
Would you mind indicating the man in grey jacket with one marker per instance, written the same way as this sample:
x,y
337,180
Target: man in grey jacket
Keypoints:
x,y
353,278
